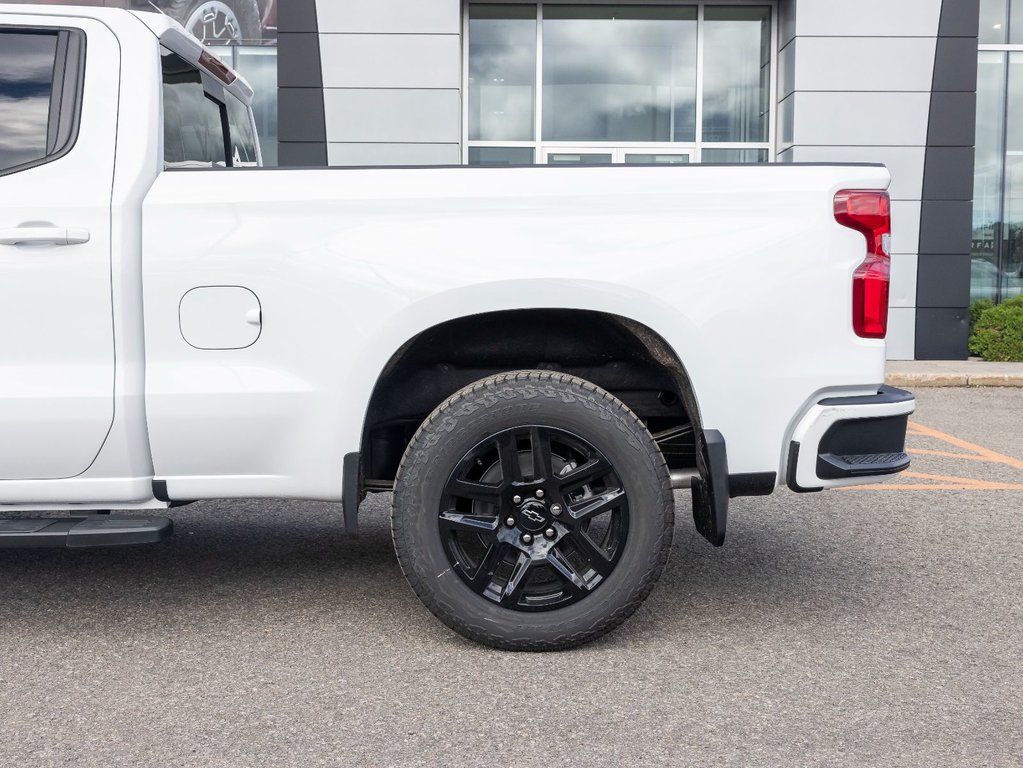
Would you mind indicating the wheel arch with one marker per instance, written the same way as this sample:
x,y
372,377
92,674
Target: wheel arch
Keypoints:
x,y
614,351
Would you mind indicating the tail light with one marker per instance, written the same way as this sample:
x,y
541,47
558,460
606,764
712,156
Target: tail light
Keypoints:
x,y
869,212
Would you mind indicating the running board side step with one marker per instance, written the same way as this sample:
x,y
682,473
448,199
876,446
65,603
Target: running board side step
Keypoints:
x,y
80,532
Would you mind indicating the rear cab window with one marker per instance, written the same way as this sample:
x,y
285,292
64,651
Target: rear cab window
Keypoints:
x,y
41,76
204,124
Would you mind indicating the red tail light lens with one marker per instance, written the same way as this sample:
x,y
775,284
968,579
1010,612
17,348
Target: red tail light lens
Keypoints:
x,y
869,212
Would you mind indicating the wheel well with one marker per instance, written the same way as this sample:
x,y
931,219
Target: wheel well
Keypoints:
x,y
625,358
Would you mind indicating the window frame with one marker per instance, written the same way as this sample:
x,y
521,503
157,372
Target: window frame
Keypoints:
x,y
1003,128
694,148
67,91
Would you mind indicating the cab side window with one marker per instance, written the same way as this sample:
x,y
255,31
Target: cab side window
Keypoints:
x,y
41,75
193,122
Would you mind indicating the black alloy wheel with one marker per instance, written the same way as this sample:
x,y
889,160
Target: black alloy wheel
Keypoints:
x,y
534,518
532,511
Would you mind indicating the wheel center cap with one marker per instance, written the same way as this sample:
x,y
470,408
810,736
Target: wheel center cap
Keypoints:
x,y
533,516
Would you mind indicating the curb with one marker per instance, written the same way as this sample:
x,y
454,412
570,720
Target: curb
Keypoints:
x,y
953,380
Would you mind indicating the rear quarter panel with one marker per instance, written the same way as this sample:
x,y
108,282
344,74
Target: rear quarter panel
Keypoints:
x,y
742,270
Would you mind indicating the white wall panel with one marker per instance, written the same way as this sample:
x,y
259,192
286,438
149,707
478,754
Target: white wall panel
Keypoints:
x,y
901,333
393,154
860,63
412,16
390,61
906,164
902,291
868,18
860,119
905,226
368,115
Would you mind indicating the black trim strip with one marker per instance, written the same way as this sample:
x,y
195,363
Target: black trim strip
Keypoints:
x,y
885,396
790,479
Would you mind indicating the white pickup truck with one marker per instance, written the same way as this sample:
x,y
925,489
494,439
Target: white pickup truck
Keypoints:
x,y
530,358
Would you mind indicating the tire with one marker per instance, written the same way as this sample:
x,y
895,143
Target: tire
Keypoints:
x,y
243,15
583,467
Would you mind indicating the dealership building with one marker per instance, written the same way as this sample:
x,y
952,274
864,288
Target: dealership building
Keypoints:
x,y
931,88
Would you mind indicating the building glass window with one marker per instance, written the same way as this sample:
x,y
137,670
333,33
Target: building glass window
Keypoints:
x,y
618,83
996,270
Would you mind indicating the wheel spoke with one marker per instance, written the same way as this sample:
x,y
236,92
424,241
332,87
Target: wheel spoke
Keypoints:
x,y
508,452
540,448
591,552
517,581
573,581
458,521
478,491
596,505
488,565
594,469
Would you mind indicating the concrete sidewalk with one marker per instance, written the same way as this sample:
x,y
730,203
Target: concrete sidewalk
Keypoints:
x,y
953,373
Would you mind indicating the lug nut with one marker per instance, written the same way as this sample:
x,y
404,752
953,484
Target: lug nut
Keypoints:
x,y
556,509
516,499
510,522
550,533
527,539
539,493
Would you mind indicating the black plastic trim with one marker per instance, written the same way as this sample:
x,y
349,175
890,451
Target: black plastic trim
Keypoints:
x,y
351,492
710,489
790,479
863,448
885,396
752,484
81,532
160,490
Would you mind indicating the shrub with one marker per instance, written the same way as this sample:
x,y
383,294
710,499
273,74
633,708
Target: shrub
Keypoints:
x,y
976,309
998,332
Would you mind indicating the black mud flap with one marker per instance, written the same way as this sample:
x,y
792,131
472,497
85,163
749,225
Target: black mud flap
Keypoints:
x,y
710,489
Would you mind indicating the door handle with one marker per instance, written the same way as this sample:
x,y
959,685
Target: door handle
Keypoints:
x,y
54,235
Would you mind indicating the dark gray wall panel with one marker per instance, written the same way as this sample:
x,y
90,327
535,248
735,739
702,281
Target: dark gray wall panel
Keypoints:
x,y
943,268
302,155
296,16
945,226
298,60
953,118
959,18
301,131
943,280
300,115
955,64
948,173
941,334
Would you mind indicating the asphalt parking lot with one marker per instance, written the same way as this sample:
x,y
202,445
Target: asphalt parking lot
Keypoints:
x,y
866,627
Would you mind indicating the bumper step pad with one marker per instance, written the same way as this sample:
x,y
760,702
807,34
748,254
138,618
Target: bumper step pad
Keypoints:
x,y
861,464
80,532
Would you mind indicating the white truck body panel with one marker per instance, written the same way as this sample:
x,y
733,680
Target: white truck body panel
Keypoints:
x,y
743,273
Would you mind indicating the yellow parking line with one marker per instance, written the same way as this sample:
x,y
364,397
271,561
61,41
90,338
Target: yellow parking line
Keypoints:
x,y
999,458
948,455
948,482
